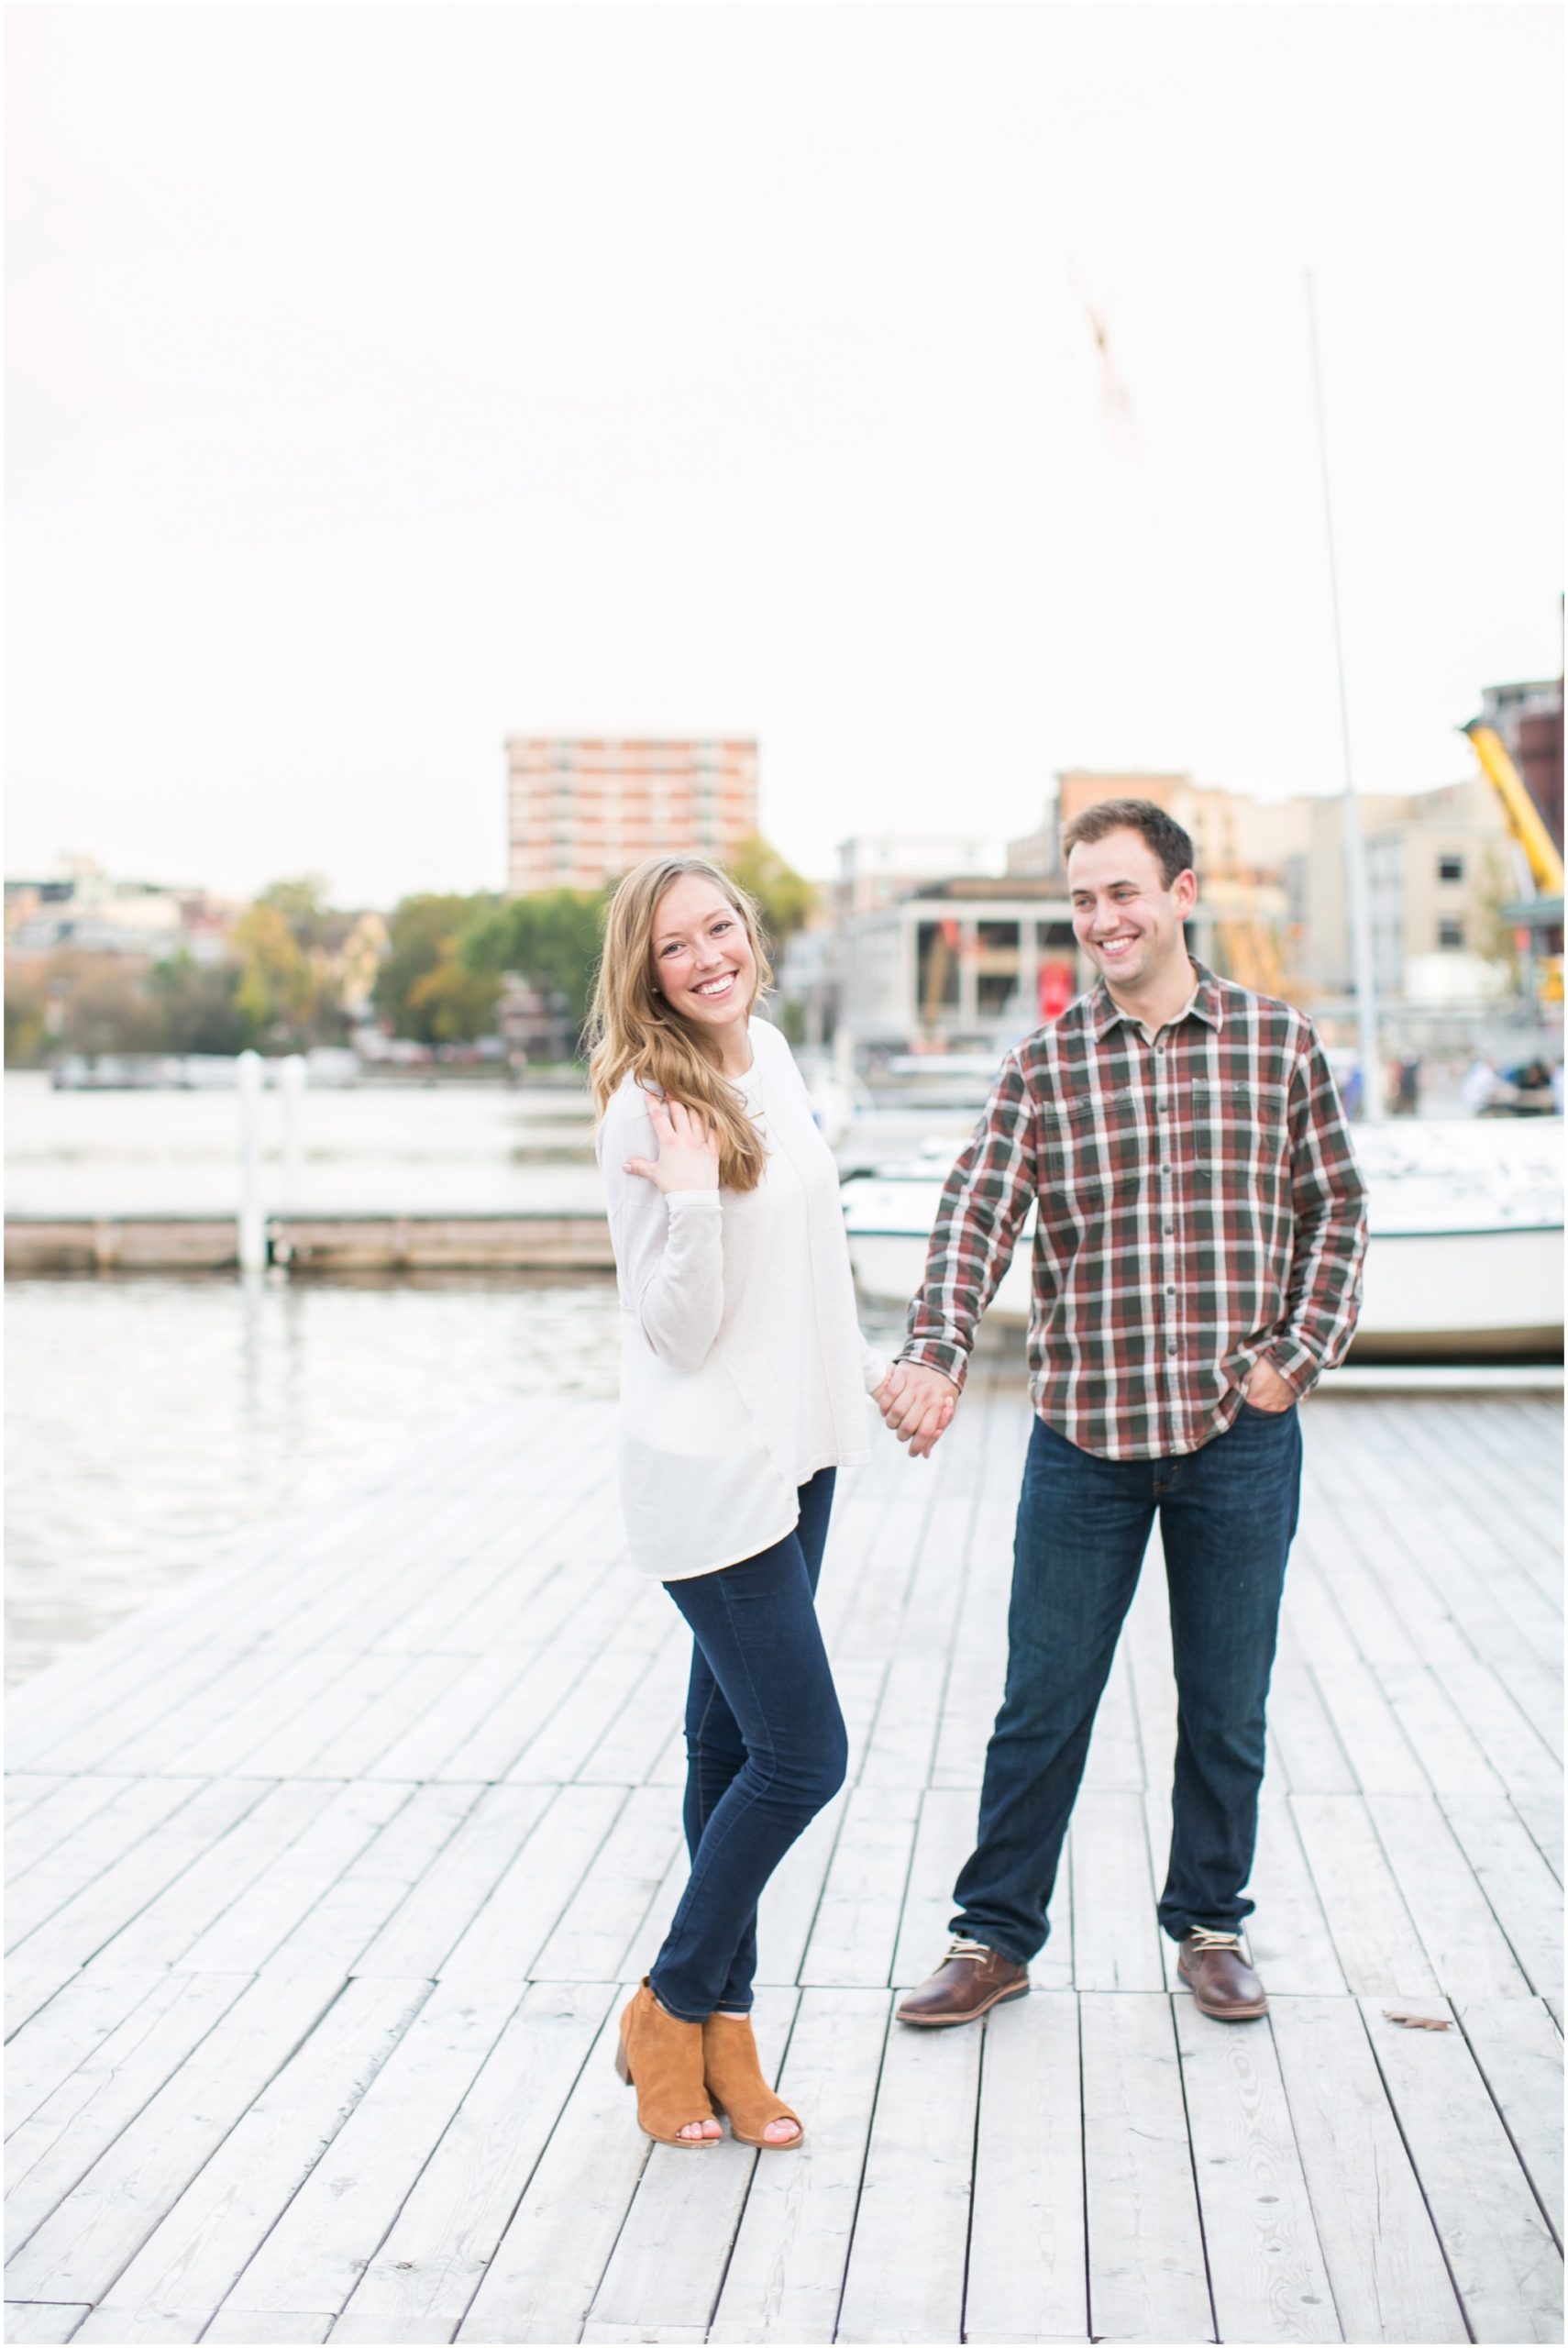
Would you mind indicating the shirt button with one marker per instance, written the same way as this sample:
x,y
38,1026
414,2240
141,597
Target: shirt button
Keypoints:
x,y
1170,1291
1169,1229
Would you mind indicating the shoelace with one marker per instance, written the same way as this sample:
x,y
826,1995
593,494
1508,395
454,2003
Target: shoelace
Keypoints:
x,y
976,1950
1203,1940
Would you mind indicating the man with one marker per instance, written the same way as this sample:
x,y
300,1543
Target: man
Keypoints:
x,y
1198,1242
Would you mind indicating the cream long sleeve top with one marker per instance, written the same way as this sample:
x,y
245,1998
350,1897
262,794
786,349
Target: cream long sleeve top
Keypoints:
x,y
743,1367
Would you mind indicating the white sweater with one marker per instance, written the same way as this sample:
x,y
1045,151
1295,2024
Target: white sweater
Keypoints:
x,y
743,1367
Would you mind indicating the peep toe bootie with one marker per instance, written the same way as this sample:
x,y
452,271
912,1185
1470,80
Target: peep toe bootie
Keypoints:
x,y
735,2083
662,2058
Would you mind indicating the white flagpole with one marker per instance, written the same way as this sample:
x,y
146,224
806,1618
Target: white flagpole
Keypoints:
x,y
1355,852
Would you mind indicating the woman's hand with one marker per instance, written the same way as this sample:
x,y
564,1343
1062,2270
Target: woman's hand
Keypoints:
x,y
687,1150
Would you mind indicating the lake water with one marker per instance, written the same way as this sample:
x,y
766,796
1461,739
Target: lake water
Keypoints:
x,y
443,1149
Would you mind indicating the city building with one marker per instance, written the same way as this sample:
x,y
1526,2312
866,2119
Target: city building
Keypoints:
x,y
84,910
968,963
876,869
581,812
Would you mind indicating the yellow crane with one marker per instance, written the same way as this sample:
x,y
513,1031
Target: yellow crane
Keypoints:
x,y
1524,818
1527,825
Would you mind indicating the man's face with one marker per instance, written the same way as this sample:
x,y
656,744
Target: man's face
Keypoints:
x,y
1124,917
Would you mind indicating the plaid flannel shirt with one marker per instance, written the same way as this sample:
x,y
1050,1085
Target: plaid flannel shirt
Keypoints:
x,y
1199,1209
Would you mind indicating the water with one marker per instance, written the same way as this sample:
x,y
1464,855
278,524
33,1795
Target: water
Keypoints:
x,y
148,1420
445,1148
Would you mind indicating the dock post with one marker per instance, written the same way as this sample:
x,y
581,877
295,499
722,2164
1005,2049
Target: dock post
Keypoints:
x,y
252,1224
293,1076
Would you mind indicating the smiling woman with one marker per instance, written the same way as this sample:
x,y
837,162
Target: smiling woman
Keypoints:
x,y
742,1391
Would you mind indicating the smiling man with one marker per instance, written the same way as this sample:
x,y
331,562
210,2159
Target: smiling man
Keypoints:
x,y
1198,1243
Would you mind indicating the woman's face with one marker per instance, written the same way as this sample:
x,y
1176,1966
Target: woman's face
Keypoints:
x,y
702,961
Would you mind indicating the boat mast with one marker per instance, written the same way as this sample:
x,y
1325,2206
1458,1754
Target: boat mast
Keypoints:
x,y
1354,846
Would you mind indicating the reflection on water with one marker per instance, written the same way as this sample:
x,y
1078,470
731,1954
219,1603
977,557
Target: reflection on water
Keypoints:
x,y
148,1420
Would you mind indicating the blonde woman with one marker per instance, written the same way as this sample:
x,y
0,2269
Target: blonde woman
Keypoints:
x,y
743,1385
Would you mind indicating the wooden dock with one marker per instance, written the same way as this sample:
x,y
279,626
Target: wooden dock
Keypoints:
x,y
328,1876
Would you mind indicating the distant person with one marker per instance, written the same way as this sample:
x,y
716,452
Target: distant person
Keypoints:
x,y
1408,1087
1556,1086
743,1380
1479,1086
1350,1091
1199,1230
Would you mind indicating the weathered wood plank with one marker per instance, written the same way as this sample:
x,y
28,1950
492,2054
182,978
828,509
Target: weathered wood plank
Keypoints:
x,y
321,2245
35,2321
66,1804
1505,2266
1266,2269
53,2149
1450,1910
540,2284
1146,2272
330,1901
528,1899
427,2270
1027,2276
856,1926
1519,1885
1519,2051
615,1893
1116,1938
455,1886
905,2277
270,1923
1375,1942
193,2258
82,2245
786,2270
1288,1935
72,2028
1384,2260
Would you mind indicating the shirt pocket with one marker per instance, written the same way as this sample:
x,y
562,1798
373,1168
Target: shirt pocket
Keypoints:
x,y
1241,1138
1095,1146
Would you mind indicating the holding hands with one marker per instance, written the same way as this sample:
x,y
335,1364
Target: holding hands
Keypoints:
x,y
917,1405
687,1150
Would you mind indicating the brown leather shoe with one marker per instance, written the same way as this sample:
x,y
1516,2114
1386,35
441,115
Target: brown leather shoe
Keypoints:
x,y
971,1980
1223,1984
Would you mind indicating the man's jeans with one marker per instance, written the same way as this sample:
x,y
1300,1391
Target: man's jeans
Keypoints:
x,y
1227,1517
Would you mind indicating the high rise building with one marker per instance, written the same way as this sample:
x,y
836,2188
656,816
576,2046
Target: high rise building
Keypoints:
x,y
581,812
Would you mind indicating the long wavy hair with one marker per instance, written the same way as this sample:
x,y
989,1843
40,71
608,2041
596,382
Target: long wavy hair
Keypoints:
x,y
630,1027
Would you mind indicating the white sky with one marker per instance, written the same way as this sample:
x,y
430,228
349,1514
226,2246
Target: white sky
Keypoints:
x,y
385,380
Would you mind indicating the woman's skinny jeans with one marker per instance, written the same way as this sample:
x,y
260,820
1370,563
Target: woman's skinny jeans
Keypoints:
x,y
764,1751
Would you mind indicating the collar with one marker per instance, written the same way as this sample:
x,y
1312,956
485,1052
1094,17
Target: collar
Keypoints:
x,y
1205,1002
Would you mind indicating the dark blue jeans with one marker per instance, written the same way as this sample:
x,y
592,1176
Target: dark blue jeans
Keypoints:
x,y
764,1751
1227,1518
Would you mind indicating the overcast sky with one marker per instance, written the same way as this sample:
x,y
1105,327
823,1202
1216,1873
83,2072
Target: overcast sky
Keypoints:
x,y
385,380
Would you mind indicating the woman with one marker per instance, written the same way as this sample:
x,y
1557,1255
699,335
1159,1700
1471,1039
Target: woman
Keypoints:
x,y
744,1379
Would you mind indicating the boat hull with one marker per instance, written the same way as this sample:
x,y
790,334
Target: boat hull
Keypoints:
x,y
1481,1294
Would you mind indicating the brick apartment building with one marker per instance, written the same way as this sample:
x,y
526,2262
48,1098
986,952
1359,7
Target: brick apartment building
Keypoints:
x,y
581,812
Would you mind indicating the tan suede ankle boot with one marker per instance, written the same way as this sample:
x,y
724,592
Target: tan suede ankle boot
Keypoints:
x,y
735,2083
662,2058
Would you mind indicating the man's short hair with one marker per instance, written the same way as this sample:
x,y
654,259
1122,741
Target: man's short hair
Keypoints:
x,y
1171,844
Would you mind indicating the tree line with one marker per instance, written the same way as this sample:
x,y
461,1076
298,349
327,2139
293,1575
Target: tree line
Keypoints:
x,y
298,972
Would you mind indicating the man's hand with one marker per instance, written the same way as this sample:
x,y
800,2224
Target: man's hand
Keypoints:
x,y
1266,1389
687,1150
920,1410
